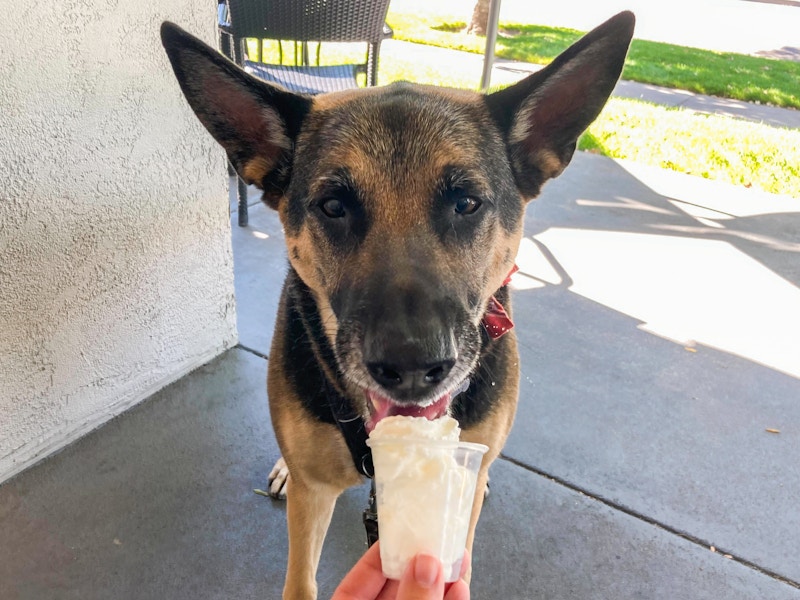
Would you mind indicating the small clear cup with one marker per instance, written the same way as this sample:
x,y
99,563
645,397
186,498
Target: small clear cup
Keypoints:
x,y
425,491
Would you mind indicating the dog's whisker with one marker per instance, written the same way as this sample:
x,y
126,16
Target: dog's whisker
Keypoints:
x,y
356,418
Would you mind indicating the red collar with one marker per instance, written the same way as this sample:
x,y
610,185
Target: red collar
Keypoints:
x,y
495,320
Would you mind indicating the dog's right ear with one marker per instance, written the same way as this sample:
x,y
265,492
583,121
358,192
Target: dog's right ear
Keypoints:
x,y
543,115
256,123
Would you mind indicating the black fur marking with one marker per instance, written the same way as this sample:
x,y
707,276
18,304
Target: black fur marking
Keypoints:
x,y
347,232
276,182
453,228
317,394
344,233
508,203
296,211
305,346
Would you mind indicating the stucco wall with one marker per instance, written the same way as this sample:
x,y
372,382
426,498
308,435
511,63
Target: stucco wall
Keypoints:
x,y
116,272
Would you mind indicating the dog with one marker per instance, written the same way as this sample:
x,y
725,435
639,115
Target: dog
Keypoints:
x,y
403,211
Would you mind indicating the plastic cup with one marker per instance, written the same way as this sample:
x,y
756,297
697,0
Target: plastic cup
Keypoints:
x,y
425,491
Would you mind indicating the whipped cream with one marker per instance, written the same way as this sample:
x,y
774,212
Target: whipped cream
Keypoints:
x,y
425,486
444,428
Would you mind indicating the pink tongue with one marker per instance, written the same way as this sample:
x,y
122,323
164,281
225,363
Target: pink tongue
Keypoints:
x,y
386,408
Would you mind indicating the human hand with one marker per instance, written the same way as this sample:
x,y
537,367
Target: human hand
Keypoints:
x,y
422,580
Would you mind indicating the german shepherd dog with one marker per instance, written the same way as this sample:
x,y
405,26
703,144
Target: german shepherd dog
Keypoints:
x,y
403,209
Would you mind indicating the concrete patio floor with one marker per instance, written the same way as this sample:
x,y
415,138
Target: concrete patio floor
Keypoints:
x,y
657,318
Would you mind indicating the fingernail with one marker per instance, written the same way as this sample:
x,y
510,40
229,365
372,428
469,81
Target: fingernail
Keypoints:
x,y
426,570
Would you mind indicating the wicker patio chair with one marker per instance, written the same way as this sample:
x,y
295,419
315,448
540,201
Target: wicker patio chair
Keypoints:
x,y
299,22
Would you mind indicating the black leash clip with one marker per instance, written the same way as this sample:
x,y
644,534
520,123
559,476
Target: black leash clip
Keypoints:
x,y
370,517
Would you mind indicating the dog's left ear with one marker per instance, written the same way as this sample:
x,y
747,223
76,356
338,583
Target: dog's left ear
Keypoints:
x,y
256,123
543,115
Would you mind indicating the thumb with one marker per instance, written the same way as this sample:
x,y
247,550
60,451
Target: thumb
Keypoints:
x,y
422,580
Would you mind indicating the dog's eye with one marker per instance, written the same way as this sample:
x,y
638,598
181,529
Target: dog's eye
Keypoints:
x,y
467,205
332,208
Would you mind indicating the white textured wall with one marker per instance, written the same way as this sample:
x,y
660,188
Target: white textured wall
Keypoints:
x,y
116,272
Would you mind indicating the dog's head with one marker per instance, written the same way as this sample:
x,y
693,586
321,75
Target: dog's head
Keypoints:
x,y
402,205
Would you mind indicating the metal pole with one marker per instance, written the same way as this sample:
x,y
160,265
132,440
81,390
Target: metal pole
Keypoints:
x,y
491,39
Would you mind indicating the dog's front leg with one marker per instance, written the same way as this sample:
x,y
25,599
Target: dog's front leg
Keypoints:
x,y
313,485
493,432
477,505
320,469
308,513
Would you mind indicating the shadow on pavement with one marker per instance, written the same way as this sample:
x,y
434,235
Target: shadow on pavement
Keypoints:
x,y
659,342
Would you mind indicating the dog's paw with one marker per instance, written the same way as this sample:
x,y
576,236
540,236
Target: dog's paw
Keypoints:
x,y
277,480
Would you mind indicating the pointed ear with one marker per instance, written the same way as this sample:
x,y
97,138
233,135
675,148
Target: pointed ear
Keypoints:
x,y
543,115
255,122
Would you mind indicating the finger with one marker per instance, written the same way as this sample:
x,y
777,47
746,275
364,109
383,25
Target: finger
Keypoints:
x,y
423,579
389,591
458,591
365,580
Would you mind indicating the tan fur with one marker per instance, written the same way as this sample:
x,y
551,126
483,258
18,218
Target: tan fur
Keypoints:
x,y
504,255
256,169
547,161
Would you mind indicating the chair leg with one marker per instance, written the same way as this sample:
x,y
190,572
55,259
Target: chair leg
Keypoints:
x,y
372,64
242,194
239,51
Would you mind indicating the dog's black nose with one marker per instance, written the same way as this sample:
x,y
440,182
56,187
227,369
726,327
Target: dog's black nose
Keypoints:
x,y
407,326
409,378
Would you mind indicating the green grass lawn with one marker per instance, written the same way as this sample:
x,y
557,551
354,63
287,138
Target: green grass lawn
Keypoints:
x,y
722,74
709,146
714,147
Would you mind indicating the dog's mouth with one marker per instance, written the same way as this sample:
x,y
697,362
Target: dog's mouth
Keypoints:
x,y
380,407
